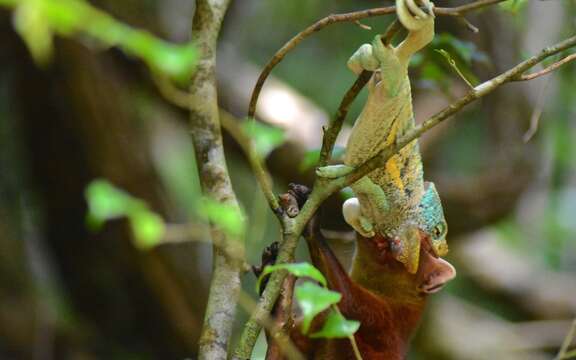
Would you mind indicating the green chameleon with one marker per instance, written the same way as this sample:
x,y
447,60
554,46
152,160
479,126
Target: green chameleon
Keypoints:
x,y
393,200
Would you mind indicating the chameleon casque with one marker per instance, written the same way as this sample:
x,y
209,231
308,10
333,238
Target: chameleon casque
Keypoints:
x,y
392,201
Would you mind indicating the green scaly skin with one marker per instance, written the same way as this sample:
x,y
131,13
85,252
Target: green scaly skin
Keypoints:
x,y
392,200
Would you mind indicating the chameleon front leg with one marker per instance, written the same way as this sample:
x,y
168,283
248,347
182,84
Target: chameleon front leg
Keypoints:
x,y
378,56
359,217
420,26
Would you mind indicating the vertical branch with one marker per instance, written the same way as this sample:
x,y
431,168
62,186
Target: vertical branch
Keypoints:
x,y
207,138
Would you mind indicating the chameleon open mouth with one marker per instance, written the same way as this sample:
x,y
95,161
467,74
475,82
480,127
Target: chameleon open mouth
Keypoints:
x,y
433,271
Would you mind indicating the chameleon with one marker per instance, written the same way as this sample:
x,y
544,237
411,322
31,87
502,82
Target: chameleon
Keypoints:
x,y
392,201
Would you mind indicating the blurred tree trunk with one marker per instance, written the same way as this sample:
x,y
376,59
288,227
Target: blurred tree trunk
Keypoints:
x,y
78,121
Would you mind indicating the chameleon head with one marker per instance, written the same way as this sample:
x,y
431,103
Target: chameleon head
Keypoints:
x,y
414,14
428,232
432,221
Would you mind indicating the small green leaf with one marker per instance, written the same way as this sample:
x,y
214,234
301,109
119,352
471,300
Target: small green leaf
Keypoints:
x,y
266,138
513,6
148,228
31,23
296,269
106,202
312,300
178,62
337,326
37,20
226,216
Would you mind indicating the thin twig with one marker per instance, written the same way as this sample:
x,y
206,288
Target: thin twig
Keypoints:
x,y
563,353
537,113
347,17
331,133
170,92
230,124
180,233
468,25
546,70
324,188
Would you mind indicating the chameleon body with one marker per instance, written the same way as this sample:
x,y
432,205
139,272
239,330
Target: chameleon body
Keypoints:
x,y
392,201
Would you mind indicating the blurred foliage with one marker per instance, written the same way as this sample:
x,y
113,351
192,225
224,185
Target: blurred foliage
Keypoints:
x,y
37,20
106,202
265,137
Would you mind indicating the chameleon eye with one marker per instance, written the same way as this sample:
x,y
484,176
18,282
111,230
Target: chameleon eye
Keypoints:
x,y
439,230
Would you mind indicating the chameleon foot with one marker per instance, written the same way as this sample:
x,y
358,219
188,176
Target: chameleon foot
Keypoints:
x,y
353,216
333,171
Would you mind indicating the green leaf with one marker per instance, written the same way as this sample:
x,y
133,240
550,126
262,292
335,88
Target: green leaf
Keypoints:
x,y
266,138
226,216
337,326
37,20
31,23
513,6
148,228
106,202
296,269
312,300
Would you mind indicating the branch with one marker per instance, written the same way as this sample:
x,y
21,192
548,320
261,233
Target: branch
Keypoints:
x,y
348,17
563,353
324,188
335,126
205,129
230,124
547,70
281,339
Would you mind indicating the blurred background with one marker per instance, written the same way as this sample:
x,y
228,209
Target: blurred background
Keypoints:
x,y
504,167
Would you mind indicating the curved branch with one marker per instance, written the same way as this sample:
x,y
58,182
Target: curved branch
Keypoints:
x,y
347,17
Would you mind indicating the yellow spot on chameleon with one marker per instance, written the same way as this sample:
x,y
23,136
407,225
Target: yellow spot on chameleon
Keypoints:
x,y
394,172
